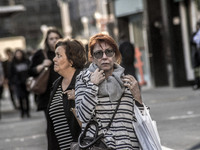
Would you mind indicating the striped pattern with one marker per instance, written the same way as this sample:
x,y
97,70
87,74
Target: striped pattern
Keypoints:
x,y
58,118
121,135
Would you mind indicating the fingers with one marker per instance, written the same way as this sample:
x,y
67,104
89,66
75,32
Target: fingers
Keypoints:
x,y
129,80
129,77
97,76
70,94
98,72
132,84
46,62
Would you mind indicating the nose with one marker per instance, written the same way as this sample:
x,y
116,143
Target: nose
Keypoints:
x,y
104,55
54,40
54,59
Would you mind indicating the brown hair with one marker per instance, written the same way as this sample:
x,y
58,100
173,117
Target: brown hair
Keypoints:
x,y
101,37
49,31
74,51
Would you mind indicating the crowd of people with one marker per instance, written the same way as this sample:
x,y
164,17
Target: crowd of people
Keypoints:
x,y
74,82
14,72
92,86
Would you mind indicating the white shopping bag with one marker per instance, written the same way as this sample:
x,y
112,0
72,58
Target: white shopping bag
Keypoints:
x,y
146,130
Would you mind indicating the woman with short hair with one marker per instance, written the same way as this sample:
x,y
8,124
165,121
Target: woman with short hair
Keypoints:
x,y
63,127
98,90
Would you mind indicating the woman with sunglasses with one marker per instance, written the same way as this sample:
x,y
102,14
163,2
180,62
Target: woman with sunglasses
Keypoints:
x,y
98,90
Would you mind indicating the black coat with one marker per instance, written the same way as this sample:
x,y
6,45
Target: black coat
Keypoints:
x,y
195,52
127,51
37,59
18,75
68,104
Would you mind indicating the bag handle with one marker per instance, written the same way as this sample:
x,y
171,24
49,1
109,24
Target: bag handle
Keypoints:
x,y
96,137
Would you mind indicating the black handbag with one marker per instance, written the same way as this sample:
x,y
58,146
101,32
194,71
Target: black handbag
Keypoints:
x,y
96,142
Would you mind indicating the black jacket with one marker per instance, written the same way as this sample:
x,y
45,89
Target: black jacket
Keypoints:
x,y
68,104
127,51
38,57
195,52
18,75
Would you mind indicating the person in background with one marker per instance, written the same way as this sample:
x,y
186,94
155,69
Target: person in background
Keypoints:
x,y
195,45
38,62
63,128
127,51
7,74
98,90
19,74
1,78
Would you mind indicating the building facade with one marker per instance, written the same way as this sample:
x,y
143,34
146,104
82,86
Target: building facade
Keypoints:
x,y
160,30
28,23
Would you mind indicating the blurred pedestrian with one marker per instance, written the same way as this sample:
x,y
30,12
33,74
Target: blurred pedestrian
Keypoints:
x,y
1,78
19,74
63,127
98,90
7,75
127,51
38,62
195,45
1,82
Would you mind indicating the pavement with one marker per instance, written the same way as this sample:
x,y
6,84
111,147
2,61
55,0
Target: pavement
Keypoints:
x,y
177,113
30,133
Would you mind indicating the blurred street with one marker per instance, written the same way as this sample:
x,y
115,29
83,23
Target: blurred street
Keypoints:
x,y
18,133
176,111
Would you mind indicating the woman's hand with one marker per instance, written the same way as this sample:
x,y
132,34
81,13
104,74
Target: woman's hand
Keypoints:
x,y
70,94
133,86
46,62
97,76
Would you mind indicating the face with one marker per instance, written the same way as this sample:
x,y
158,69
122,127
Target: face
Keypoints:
x,y
52,39
18,55
104,57
61,63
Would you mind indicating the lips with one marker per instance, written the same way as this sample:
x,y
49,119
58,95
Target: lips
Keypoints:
x,y
55,65
105,64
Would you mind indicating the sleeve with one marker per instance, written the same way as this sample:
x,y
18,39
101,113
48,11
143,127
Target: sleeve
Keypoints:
x,y
140,106
85,96
135,102
35,61
196,39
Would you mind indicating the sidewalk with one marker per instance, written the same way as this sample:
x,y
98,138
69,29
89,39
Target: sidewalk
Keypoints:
x,y
177,113
29,134
163,93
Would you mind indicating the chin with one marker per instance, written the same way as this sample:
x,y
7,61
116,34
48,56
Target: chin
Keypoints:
x,y
105,69
56,70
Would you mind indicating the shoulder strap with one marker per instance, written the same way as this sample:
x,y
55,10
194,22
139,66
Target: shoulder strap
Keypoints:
x,y
108,126
45,54
96,136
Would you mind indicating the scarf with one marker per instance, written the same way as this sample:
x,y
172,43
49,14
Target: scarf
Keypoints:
x,y
112,86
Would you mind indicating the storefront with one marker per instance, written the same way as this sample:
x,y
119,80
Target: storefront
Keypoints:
x,y
129,16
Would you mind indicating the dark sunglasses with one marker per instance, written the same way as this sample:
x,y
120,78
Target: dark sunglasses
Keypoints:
x,y
99,54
